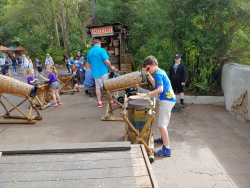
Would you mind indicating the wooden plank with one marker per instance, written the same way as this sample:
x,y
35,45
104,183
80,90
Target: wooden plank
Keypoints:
x,y
126,182
11,121
63,157
72,165
78,174
65,148
149,167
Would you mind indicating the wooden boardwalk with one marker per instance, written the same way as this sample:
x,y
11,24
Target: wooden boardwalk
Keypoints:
x,y
127,167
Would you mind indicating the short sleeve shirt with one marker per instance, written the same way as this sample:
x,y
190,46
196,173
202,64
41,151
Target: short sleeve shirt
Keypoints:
x,y
96,57
30,78
52,77
161,79
39,63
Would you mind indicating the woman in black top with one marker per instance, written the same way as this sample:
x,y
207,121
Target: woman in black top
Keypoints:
x,y
177,76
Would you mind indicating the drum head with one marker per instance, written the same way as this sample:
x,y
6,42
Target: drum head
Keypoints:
x,y
137,97
64,75
138,104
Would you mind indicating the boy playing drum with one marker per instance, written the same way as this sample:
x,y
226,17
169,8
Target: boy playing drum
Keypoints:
x,y
167,100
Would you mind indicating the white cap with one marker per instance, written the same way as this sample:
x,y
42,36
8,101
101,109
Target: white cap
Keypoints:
x,y
47,54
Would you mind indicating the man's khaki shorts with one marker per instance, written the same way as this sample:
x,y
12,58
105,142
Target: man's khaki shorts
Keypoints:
x,y
163,113
99,81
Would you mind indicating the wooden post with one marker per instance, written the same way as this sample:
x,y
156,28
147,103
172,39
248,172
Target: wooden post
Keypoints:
x,y
122,43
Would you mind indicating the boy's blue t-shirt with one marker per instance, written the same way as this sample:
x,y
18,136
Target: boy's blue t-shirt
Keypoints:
x,y
161,79
39,63
96,57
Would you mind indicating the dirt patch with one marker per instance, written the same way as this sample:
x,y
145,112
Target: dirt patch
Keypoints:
x,y
239,107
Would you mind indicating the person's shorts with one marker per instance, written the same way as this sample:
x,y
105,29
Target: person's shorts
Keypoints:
x,y
19,66
163,113
54,85
99,81
177,86
39,69
25,68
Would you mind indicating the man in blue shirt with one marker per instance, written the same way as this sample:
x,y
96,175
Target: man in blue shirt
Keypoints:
x,y
98,62
167,101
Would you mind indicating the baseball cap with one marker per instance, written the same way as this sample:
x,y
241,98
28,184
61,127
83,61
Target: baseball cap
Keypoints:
x,y
177,56
47,54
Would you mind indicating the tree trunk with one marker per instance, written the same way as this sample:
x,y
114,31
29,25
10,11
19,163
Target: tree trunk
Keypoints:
x,y
84,27
64,29
57,35
94,14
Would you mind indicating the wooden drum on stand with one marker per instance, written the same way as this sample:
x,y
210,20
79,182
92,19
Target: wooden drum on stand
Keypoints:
x,y
138,116
125,81
15,87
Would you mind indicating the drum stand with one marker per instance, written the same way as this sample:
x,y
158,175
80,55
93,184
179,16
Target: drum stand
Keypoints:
x,y
24,118
43,96
139,139
68,86
109,116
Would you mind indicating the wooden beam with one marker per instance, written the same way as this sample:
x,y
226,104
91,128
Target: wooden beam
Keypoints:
x,y
17,121
65,148
149,167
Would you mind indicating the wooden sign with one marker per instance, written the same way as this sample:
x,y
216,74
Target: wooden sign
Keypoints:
x,y
102,31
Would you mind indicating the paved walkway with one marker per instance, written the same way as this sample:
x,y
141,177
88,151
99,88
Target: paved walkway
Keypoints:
x,y
210,147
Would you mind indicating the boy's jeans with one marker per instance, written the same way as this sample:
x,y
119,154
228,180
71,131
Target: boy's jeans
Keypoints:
x,y
14,69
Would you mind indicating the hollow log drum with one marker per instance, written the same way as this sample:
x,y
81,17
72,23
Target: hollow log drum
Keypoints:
x,y
130,79
15,87
138,116
64,78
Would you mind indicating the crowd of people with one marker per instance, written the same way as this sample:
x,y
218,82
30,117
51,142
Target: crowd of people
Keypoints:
x,y
94,77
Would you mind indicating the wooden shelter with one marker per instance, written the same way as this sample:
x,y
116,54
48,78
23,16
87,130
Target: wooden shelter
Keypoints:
x,y
113,36
4,49
19,50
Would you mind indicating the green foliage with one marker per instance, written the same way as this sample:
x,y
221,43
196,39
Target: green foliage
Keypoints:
x,y
206,32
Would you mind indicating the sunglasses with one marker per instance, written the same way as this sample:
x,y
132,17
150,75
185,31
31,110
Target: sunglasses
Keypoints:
x,y
149,67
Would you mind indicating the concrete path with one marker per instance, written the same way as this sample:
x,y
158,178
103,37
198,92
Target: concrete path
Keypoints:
x,y
210,147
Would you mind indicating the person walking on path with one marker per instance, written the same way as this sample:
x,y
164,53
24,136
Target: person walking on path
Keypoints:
x,y
39,67
49,60
98,62
67,62
2,64
25,65
20,64
14,64
8,65
167,101
177,76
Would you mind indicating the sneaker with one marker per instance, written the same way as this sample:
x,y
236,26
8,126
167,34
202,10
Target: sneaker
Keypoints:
x,y
54,104
114,103
182,105
100,105
158,140
163,152
59,102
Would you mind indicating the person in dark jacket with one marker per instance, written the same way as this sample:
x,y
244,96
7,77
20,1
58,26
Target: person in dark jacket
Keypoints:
x,y
177,76
14,63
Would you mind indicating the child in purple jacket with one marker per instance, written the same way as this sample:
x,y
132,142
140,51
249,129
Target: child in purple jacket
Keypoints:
x,y
52,79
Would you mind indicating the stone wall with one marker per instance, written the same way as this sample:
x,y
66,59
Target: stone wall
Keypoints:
x,y
236,87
